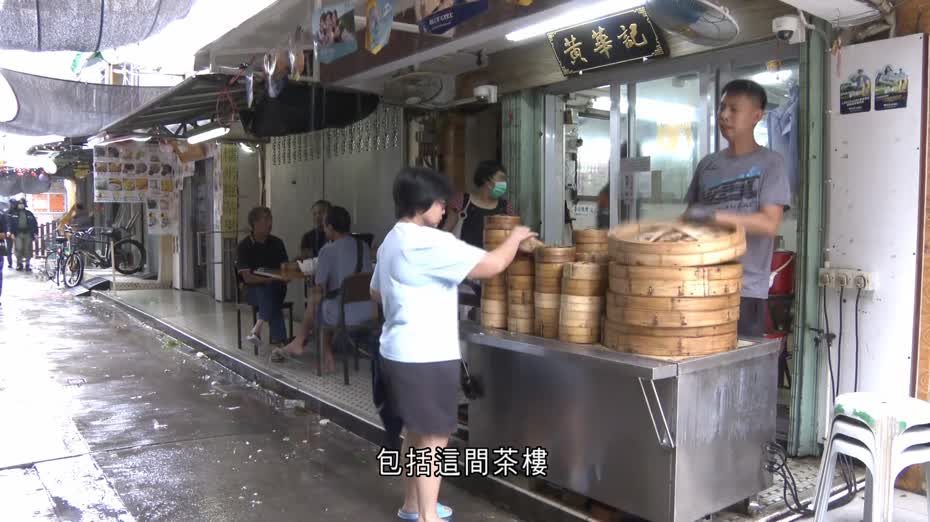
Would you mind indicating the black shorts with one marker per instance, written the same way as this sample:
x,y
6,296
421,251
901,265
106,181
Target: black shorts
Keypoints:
x,y
752,314
424,395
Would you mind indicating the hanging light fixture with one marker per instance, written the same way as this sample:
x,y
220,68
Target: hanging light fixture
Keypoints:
x,y
207,132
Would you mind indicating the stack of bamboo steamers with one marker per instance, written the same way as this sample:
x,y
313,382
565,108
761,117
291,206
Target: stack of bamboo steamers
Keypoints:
x,y
668,290
674,289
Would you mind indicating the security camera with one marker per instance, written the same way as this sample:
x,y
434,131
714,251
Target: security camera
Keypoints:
x,y
788,29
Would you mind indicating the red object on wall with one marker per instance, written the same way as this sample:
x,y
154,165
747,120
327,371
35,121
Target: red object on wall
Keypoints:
x,y
783,263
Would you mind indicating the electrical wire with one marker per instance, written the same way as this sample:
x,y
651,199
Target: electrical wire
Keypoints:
x,y
839,346
829,339
856,378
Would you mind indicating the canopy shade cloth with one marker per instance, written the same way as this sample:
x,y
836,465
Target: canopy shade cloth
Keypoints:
x,y
66,108
84,25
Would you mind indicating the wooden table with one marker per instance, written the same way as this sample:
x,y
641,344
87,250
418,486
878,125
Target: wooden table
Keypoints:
x,y
287,276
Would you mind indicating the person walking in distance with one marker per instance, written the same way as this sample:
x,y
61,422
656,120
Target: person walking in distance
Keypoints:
x,y
23,225
8,236
747,185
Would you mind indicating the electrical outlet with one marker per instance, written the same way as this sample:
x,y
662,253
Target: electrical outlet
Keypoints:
x,y
826,278
854,279
842,279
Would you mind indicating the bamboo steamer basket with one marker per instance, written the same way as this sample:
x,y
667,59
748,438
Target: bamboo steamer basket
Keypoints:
x,y
555,254
670,342
546,315
584,279
520,282
676,281
494,238
521,326
673,304
675,244
520,311
522,265
580,318
501,222
489,320
520,297
666,313
493,313
591,242
593,257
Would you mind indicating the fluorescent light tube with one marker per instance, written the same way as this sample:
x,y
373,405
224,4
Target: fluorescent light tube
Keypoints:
x,y
206,135
574,17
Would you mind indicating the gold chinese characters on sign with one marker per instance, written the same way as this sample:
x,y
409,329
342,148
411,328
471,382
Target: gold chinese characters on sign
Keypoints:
x,y
615,39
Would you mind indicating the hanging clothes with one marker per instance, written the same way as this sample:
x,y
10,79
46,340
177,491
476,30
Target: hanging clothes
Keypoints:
x,y
783,135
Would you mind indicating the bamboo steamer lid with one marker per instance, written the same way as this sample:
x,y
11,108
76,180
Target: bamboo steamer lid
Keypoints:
x,y
555,255
522,311
659,288
493,306
584,272
520,296
672,319
521,326
674,238
672,304
543,300
493,320
706,258
501,222
670,342
515,282
671,273
589,236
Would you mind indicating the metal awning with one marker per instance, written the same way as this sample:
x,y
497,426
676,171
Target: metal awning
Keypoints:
x,y
176,112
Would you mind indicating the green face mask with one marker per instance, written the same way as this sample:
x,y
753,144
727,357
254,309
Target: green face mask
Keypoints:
x,y
500,188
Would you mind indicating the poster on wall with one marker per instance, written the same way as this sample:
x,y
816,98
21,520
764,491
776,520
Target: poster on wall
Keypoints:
x,y
334,31
856,93
161,215
130,172
379,16
230,190
439,16
890,89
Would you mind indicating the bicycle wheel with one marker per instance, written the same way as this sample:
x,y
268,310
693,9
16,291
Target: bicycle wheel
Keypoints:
x,y
73,270
128,256
51,265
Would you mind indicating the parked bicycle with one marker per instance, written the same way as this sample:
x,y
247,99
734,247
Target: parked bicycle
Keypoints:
x,y
61,267
129,254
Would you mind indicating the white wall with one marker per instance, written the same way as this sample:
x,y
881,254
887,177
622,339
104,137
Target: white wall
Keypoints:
x,y
874,200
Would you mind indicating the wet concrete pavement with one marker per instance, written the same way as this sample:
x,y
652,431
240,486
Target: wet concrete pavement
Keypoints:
x,y
103,418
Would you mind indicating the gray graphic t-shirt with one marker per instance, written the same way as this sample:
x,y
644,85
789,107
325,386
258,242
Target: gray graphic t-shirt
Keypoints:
x,y
745,184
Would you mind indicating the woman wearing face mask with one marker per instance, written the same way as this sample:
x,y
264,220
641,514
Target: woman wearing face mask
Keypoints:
x,y
467,211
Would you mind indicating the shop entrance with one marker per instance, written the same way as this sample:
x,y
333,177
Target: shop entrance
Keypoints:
x,y
197,225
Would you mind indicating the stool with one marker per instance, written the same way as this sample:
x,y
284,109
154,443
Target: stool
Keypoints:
x,y
287,306
887,434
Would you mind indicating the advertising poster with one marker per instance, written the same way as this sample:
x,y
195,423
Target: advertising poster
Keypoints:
x,y
890,89
334,31
130,172
161,215
856,93
439,16
379,16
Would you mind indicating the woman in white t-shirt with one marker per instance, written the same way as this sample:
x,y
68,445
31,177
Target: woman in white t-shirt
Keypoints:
x,y
416,280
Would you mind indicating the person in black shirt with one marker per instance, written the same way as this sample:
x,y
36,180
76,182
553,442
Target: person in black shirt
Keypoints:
x,y
312,242
263,250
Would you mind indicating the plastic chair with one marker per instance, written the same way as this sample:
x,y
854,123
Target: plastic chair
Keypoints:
x,y
887,435
355,289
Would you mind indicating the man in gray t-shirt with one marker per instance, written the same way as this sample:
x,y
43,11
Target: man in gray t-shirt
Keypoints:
x,y
745,184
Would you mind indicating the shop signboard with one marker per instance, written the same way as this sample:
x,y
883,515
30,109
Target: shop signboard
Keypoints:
x,y
439,16
618,38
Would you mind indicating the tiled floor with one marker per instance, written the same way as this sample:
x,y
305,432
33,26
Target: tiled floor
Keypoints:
x,y
213,323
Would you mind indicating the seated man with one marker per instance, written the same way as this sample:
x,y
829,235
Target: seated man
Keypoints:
x,y
263,250
312,242
341,257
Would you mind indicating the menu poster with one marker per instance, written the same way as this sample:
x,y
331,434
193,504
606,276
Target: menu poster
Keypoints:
x,y
130,172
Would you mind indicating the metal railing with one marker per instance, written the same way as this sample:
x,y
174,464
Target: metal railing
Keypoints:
x,y
44,241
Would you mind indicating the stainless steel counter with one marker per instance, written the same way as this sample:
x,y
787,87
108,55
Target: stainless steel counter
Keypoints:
x,y
667,441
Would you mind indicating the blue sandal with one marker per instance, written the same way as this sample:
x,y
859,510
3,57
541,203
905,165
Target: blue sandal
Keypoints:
x,y
444,512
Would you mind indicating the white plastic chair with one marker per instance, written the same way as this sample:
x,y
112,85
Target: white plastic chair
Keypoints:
x,y
884,433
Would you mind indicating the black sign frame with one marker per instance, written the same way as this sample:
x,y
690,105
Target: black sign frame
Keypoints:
x,y
611,40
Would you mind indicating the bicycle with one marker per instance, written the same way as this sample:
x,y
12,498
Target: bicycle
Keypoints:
x,y
129,253
60,263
